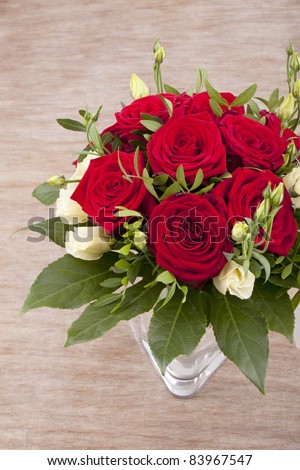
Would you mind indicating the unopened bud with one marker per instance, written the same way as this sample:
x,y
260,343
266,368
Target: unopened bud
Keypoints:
x,y
140,240
156,45
262,211
289,49
267,192
286,108
160,55
295,62
138,88
239,231
297,88
56,180
277,195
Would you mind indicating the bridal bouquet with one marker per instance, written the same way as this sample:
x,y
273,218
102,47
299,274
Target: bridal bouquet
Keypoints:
x,y
187,206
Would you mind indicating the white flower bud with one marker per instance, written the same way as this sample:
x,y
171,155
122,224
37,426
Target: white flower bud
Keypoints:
x,y
297,88
70,211
239,231
138,88
292,183
286,108
160,55
56,180
88,243
233,279
277,195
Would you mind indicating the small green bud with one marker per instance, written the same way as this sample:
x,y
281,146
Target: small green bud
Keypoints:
x,y
267,192
239,231
295,62
290,49
156,45
160,55
297,88
56,180
140,240
286,108
277,195
138,88
262,211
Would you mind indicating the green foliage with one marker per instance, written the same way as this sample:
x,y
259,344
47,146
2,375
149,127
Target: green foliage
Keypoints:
x,y
177,327
241,333
46,193
97,320
277,311
53,229
70,283
71,125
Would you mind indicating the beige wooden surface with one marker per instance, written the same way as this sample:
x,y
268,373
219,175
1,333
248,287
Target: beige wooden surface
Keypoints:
x,y
55,58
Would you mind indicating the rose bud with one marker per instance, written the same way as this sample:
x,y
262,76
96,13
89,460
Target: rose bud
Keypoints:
x,y
286,108
88,243
233,279
292,184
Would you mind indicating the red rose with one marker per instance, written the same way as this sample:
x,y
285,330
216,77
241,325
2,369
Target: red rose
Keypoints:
x,y
243,194
192,141
274,123
103,187
250,143
200,103
187,234
129,118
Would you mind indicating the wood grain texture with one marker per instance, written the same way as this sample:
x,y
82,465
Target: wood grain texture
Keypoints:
x,y
57,57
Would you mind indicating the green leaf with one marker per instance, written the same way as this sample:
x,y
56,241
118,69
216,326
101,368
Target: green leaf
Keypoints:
x,y
274,98
201,77
123,212
277,281
180,177
215,95
151,125
165,277
53,229
95,321
171,90
216,108
244,97
149,117
111,283
160,180
108,299
277,311
287,271
198,179
296,300
170,294
241,333
264,262
177,327
94,136
254,107
174,188
168,104
71,125
69,282
46,193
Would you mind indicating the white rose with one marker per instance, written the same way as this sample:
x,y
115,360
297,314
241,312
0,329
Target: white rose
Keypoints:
x,y
88,243
292,184
233,279
66,208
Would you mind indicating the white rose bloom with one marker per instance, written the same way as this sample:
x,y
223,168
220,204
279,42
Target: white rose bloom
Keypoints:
x,y
88,243
66,208
233,279
292,184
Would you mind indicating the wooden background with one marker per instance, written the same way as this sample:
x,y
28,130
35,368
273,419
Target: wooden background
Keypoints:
x,y
55,58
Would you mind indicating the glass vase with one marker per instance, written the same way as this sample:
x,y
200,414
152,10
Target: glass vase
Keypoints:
x,y
185,375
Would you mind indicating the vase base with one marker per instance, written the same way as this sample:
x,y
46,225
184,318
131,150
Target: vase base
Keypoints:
x,y
188,387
